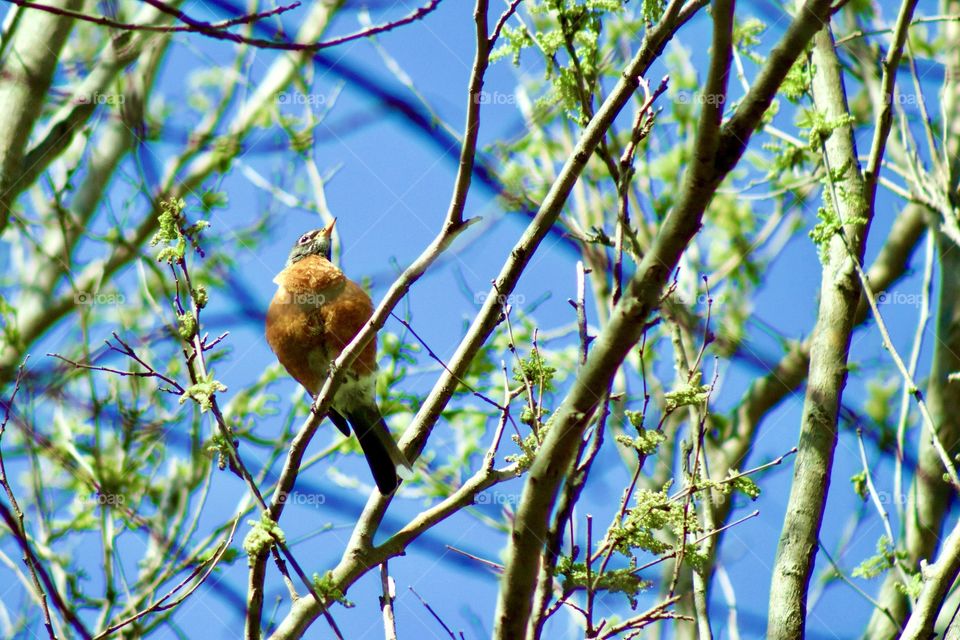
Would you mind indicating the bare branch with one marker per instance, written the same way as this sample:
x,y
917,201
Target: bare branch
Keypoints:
x,y
937,580
128,351
433,613
104,21
885,115
219,30
389,589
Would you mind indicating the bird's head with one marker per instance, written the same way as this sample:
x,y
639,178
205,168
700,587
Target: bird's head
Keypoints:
x,y
313,243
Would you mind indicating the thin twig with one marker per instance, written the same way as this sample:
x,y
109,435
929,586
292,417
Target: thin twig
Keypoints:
x,y
851,583
104,21
875,498
589,580
416,14
496,568
637,622
580,307
439,360
502,21
922,321
884,118
859,33
218,31
491,454
175,389
717,483
671,554
389,594
642,126
912,387
159,605
433,613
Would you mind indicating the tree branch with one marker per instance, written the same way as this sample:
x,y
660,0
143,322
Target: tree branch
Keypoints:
x,y
839,297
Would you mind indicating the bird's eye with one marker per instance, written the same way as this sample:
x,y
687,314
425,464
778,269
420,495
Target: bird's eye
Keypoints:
x,y
304,239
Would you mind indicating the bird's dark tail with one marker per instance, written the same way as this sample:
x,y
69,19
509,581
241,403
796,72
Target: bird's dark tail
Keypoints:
x,y
380,450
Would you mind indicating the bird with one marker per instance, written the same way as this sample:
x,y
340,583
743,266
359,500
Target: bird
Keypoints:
x,y
314,314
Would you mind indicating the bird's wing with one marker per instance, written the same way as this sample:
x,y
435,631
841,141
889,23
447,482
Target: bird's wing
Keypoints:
x,y
344,317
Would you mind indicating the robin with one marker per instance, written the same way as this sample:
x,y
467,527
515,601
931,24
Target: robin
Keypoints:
x,y
315,313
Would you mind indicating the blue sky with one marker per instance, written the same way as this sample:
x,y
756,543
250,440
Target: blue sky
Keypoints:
x,y
390,191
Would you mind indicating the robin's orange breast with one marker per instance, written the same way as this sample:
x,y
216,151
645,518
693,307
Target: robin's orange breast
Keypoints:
x,y
313,316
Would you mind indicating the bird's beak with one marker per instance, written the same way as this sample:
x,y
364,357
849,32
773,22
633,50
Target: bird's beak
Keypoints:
x,y
328,230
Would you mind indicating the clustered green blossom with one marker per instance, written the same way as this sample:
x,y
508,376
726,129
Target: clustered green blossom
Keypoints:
x,y
202,392
262,535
